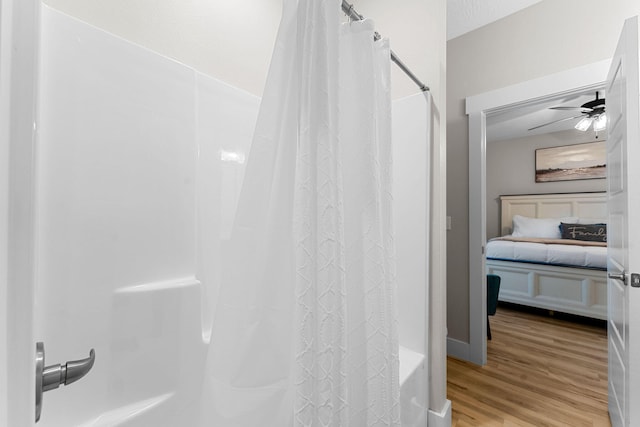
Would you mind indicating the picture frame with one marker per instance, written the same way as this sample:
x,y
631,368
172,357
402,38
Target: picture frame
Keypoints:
x,y
572,162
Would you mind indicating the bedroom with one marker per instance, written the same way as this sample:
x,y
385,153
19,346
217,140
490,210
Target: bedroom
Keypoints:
x,y
524,47
517,141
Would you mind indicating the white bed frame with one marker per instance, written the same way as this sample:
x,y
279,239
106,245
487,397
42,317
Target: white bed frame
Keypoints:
x,y
564,289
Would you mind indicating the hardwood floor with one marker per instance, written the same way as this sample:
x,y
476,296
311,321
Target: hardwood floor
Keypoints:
x,y
541,371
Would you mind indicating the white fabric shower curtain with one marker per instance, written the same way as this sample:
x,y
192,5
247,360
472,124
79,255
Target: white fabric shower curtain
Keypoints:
x,y
305,332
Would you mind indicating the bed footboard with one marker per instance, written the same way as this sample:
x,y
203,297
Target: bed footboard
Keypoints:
x,y
564,289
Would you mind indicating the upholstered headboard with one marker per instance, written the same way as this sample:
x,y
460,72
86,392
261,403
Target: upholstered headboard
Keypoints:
x,y
581,205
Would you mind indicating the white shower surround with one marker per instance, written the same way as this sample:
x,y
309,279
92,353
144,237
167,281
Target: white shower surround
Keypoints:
x,y
132,202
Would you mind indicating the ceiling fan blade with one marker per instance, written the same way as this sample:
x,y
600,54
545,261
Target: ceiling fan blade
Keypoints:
x,y
556,121
586,110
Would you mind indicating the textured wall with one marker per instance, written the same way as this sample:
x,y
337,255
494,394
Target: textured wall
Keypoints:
x,y
468,15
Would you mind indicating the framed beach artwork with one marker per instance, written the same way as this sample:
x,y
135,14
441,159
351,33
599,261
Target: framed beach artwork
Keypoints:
x,y
572,162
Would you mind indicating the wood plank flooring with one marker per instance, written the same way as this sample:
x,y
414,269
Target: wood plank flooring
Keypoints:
x,y
541,371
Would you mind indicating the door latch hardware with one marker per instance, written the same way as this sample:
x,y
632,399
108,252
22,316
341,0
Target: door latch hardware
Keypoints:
x,y
622,277
51,377
635,280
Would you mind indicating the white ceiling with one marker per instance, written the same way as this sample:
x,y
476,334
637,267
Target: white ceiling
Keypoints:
x,y
513,123
467,15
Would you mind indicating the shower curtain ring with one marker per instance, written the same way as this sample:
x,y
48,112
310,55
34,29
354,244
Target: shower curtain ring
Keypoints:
x,y
350,13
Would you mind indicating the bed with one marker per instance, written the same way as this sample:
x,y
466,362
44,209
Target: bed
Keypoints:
x,y
566,276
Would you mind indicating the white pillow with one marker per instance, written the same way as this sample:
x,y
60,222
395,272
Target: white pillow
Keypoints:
x,y
547,228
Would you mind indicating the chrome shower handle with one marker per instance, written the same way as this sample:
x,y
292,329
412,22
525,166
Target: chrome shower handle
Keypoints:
x,y
55,375
39,372
51,377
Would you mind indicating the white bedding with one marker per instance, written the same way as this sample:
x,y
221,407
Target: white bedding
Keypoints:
x,y
580,256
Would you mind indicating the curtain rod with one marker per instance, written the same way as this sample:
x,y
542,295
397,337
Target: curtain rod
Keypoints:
x,y
352,14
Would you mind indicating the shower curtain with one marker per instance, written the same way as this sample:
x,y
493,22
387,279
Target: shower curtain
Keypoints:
x,y
305,331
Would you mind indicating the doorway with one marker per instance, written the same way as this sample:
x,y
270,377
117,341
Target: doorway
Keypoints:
x,y
539,91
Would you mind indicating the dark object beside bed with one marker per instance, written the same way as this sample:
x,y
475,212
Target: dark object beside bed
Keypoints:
x,y
493,289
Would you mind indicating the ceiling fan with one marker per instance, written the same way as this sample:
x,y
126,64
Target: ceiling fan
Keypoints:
x,y
592,112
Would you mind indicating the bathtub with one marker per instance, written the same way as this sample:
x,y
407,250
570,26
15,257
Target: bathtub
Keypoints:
x,y
165,409
132,201
413,388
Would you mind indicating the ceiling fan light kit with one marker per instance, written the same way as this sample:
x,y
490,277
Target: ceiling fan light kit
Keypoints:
x,y
592,112
584,124
600,122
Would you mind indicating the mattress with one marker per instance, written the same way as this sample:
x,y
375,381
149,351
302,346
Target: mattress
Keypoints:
x,y
551,254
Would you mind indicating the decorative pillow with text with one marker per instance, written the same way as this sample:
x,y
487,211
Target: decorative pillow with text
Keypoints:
x,y
586,232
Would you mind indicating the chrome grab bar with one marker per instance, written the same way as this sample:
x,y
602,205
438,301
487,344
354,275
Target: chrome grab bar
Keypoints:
x,y
51,377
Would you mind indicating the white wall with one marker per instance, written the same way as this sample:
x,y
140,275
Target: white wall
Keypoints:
x,y
127,163
410,211
229,40
511,170
411,206
233,40
416,29
546,38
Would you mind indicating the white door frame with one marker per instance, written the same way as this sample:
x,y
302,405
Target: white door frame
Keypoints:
x,y
19,35
477,107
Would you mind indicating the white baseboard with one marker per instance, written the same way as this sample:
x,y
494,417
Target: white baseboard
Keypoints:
x,y
442,418
458,349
